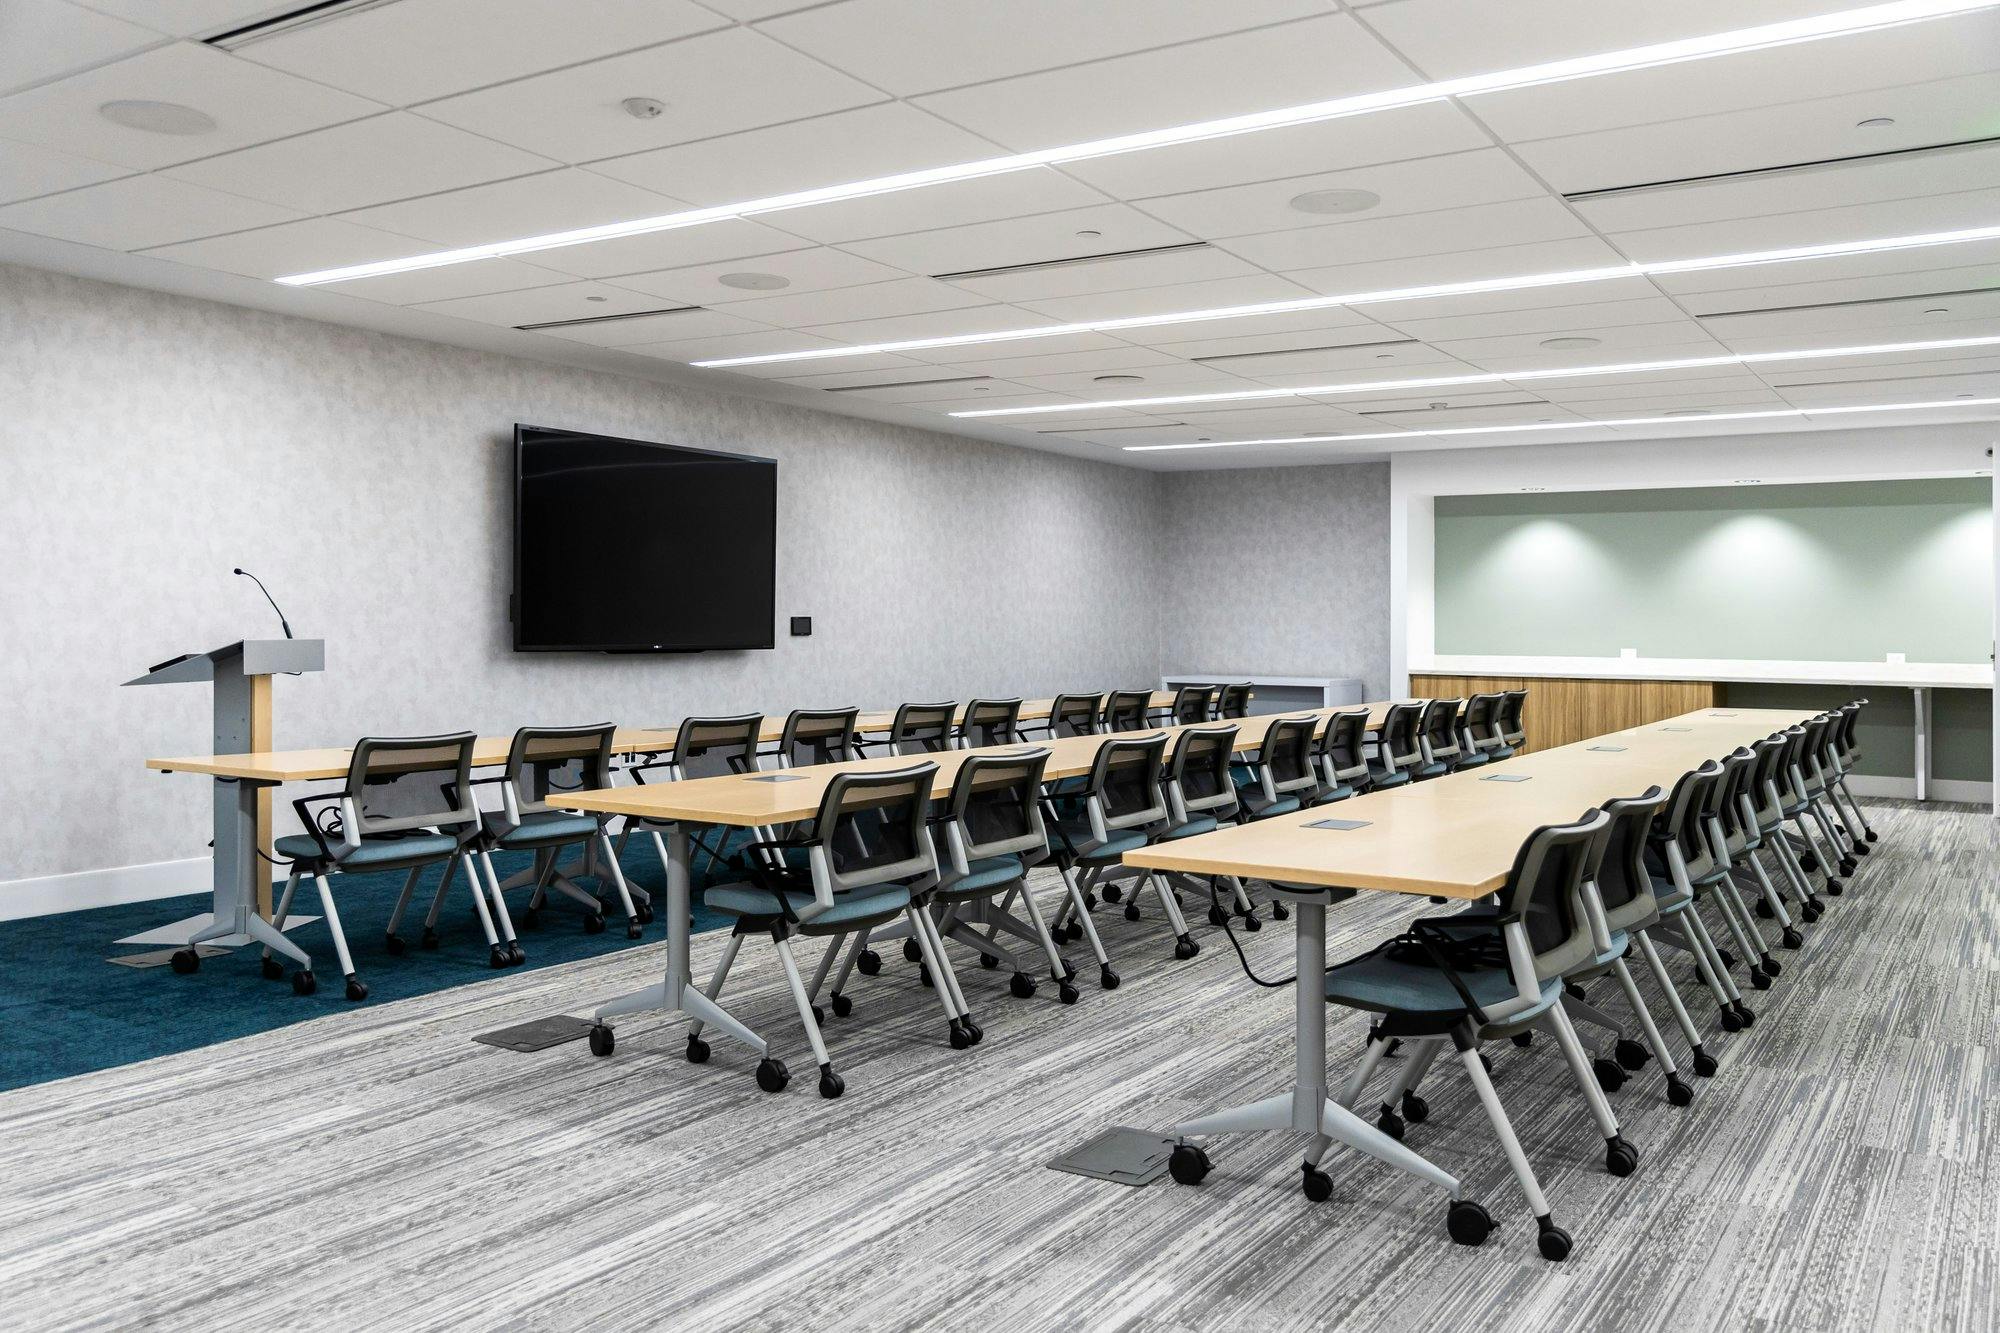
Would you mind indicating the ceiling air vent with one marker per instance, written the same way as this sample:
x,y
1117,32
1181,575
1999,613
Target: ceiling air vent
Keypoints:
x,y
290,20
1849,305
1220,357
609,319
1041,264
910,384
1782,168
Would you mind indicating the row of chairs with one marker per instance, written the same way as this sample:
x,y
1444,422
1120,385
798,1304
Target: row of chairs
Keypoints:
x,y
1584,902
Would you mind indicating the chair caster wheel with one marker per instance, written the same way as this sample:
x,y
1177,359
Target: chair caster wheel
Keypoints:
x,y
1678,1091
1705,1064
977,1032
1847,866
1835,887
1630,1054
514,955
496,957
1415,1109
697,1050
1485,1061
1107,978
272,969
356,990
602,1043
911,953
1745,1013
1067,993
1280,912
633,930
819,1017
1068,970
1217,917
842,1006
1112,893
1620,1157
1813,910
1809,861
1189,1165
1553,1242
1090,898
1728,958
772,1076
593,924
1874,837
1731,1021
303,982
395,945
1760,979
1468,1223
1763,909
531,918
1186,947
1609,1076
1132,910
1524,1039
1252,922
186,962
831,1085
1773,968
989,961
924,975
1021,985
429,939
1318,1185
960,1038
869,962
644,916
1390,1123
1792,939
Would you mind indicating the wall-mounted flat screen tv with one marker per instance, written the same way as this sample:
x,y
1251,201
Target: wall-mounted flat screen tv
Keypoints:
x,y
626,546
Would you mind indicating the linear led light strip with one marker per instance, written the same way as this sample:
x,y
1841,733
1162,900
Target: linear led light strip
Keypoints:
x,y
1868,19
1569,425
1749,259
1490,377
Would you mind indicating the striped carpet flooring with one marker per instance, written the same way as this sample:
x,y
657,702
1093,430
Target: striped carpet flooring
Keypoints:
x,y
377,1169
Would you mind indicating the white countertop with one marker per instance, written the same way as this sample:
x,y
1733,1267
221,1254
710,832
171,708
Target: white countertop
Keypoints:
x,y
1908,675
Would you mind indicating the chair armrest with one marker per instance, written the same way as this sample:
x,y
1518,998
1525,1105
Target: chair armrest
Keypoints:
x,y
301,807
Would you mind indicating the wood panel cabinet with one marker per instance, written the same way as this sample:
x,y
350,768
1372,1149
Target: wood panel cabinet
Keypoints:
x,y
1560,711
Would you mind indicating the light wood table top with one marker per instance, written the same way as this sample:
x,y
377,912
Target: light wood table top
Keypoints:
x,y
1457,836
748,800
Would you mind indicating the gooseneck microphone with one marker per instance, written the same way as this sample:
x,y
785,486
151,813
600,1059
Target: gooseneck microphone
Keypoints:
x,y
267,597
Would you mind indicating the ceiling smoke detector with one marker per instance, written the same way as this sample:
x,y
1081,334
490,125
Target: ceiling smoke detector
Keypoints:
x,y
754,282
157,117
1336,201
1117,379
1875,123
644,108
1571,343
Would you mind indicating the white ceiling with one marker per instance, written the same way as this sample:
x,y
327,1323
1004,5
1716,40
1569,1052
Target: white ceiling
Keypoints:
x,y
407,126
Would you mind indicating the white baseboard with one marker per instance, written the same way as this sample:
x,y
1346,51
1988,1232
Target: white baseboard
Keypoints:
x,y
49,894
1942,789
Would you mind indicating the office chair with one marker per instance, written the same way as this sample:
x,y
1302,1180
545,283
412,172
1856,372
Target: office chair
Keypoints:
x,y
1829,783
526,823
1815,757
1343,762
1683,866
990,722
1437,735
406,805
1193,704
1796,804
1429,985
922,728
1126,710
1232,701
1201,792
1073,715
817,736
704,747
1847,752
1280,776
1479,728
1119,808
855,864
1512,732
1397,751
1734,841
1767,818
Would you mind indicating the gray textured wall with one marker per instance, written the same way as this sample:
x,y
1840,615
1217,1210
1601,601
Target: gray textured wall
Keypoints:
x,y
153,442
1283,571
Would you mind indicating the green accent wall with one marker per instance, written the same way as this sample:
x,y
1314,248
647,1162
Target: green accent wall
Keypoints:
x,y
1842,572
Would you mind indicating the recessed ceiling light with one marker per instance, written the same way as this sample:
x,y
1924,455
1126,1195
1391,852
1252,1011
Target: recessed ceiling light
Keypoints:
x,y
643,108
1938,310
1477,286
597,298
1087,233
1763,37
1875,123
754,282
1505,376
157,117
1569,344
1336,201
1117,379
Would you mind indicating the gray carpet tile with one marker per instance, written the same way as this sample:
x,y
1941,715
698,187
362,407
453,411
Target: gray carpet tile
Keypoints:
x,y
378,1169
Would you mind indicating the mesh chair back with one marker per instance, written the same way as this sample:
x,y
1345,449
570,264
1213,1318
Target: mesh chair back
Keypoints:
x,y
1766,780
991,722
1199,769
1399,736
1819,748
1542,889
996,804
1440,731
818,736
1192,704
1233,700
544,759
708,747
398,783
1075,714
1511,705
1679,821
1791,773
922,728
1125,781
1739,776
1850,718
872,827
1125,710
1345,733
1482,721
1623,885
1286,756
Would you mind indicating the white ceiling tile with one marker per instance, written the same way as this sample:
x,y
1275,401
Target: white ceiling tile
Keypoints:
x,y
27,171
1218,293
416,50
1287,65
1463,180
945,394
1333,325
748,11
292,247
1639,342
1895,266
1552,322
1815,130
1584,392
1058,345
1868,287
1109,274
443,284
903,296
1447,231
1905,391
679,248
1362,341
998,360
249,103
867,142
912,372
1167,378
933,324
821,268
1535,299
716,83
548,201
138,212
959,203
879,364
186,18
1903,217
1465,266
1030,240
1290,368
642,329
46,39
542,305
917,46
1784,378
363,162
1934,49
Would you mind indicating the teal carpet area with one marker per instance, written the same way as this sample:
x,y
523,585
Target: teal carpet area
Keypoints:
x,y
67,1011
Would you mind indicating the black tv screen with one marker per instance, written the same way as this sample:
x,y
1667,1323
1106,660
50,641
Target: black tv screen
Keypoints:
x,y
626,546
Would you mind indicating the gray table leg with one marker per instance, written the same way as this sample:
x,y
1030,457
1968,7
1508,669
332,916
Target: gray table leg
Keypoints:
x,y
1921,698
233,886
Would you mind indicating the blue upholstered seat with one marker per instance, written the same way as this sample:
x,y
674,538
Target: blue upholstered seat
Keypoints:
x,y
992,873
542,828
1196,824
1121,841
1382,984
372,851
849,909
